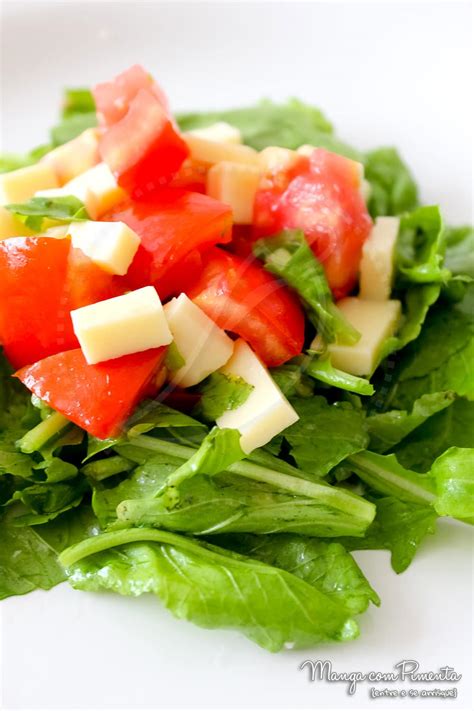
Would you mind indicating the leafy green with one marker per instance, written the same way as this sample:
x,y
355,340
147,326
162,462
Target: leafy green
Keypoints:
x,y
453,472
77,101
14,161
174,360
72,126
420,246
268,124
221,392
326,566
400,527
289,256
459,258
325,434
210,586
322,369
291,379
61,209
393,190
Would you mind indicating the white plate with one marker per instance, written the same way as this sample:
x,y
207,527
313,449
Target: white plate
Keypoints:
x,y
385,74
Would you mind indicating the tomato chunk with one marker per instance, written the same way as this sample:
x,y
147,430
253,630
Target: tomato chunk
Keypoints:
x,y
174,226
240,296
98,398
144,149
41,281
113,98
323,200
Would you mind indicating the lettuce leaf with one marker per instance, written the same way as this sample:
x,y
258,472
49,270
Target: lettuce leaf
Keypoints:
x,y
60,209
459,257
420,247
221,392
210,586
393,190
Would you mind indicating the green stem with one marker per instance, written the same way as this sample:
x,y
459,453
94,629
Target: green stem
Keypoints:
x,y
47,430
103,468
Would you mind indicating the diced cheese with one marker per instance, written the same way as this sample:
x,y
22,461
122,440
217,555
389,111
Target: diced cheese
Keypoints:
x,y
96,188
221,132
378,256
203,346
20,185
306,150
266,412
110,245
209,152
274,159
11,226
125,324
235,184
74,157
376,321
57,232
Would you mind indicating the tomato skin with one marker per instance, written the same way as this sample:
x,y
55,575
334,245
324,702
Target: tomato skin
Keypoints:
x,y
172,224
113,98
98,398
41,281
240,296
144,149
324,201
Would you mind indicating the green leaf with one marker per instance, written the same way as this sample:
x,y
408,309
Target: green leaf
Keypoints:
x,y
453,472
291,379
420,247
328,567
210,586
77,101
14,161
322,369
393,190
174,360
459,258
61,209
288,256
72,126
325,434
50,500
268,124
399,527
221,392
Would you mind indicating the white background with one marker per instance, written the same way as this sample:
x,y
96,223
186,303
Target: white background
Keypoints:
x,y
385,73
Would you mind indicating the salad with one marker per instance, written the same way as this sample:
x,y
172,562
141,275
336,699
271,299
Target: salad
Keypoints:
x,y
234,350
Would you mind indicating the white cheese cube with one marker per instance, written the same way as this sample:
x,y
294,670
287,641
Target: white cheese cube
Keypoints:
x,y
11,226
376,321
306,150
274,159
221,132
74,157
110,245
266,412
235,184
57,232
97,188
209,152
125,324
203,345
378,259
20,185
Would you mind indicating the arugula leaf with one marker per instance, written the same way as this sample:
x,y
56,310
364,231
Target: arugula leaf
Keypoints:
x,y
77,100
61,209
322,369
268,124
387,429
420,246
327,566
393,190
289,256
459,257
325,434
173,359
400,527
72,126
14,161
48,501
221,392
453,472
291,379
210,586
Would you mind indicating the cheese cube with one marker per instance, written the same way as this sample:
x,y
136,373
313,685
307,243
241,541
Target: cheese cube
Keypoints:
x,y
96,188
125,324
74,157
235,184
20,185
110,245
306,150
274,159
266,412
209,152
376,321
203,345
11,226
221,132
378,259
57,232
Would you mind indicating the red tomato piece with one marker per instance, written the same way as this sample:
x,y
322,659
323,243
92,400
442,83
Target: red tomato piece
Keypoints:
x,y
113,98
324,201
171,225
240,296
144,149
41,281
98,398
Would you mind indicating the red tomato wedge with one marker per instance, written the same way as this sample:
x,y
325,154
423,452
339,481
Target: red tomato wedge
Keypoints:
x,y
144,149
324,201
41,280
240,296
174,226
113,98
98,398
